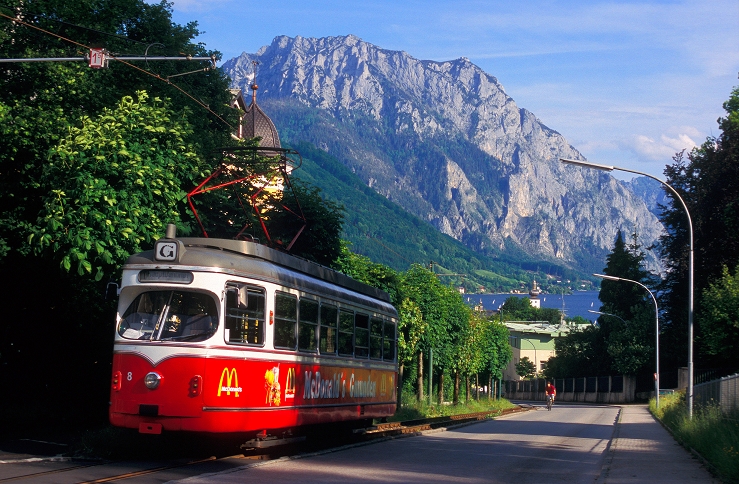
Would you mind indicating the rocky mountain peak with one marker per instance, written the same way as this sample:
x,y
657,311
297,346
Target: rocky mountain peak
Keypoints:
x,y
445,141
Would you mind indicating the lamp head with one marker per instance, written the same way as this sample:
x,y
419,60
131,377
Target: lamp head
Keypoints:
x,y
586,164
610,278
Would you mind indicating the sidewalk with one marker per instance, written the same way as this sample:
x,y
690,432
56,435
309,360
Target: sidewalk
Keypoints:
x,y
643,451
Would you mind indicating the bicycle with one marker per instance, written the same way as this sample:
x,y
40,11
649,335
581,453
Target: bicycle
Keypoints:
x,y
550,401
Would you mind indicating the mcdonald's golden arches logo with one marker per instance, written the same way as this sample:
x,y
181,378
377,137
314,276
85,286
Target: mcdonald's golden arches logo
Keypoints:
x,y
232,382
290,384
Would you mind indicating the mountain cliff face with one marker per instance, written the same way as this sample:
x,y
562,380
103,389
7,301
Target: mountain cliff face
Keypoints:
x,y
444,141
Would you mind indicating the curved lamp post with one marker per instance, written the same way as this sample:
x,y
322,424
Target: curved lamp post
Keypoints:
x,y
597,166
656,318
607,314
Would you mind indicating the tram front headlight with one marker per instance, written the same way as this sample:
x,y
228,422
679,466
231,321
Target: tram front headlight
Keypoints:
x,y
152,380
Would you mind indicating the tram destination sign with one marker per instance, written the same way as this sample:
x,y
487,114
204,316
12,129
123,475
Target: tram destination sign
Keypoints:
x,y
178,277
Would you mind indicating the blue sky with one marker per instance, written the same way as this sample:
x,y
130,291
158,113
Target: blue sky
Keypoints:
x,y
627,83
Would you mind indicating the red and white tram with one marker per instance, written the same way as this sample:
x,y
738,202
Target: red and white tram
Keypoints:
x,y
222,336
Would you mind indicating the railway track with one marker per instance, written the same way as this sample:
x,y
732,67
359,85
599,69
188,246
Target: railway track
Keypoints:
x,y
99,472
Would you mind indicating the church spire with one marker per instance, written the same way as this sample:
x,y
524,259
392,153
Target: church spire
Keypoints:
x,y
256,123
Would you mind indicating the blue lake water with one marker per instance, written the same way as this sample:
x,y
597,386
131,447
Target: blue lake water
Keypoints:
x,y
575,304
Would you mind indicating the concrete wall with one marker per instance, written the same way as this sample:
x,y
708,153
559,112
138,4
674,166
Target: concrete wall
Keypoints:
x,y
604,389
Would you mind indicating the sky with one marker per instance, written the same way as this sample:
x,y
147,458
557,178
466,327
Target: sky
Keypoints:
x,y
627,83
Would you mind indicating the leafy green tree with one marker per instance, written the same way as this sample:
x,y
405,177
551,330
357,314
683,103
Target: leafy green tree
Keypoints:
x,y
42,101
363,269
320,240
525,368
578,354
496,350
719,319
708,181
520,309
627,262
411,329
445,313
112,186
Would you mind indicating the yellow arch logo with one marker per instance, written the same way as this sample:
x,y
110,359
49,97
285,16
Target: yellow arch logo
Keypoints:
x,y
232,382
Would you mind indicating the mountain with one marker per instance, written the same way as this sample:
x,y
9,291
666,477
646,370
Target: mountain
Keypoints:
x,y
651,191
445,142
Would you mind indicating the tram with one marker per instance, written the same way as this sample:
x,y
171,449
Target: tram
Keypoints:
x,y
230,336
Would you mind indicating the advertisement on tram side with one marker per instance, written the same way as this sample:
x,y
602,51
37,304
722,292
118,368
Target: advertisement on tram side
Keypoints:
x,y
268,384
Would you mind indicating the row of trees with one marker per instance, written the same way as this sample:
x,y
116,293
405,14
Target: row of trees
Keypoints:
x,y
434,317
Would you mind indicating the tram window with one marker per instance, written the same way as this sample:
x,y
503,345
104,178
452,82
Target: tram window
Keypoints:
x,y
327,341
346,332
308,325
286,319
245,315
170,315
361,335
376,338
388,342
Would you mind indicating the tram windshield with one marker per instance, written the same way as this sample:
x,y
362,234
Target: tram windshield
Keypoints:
x,y
170,316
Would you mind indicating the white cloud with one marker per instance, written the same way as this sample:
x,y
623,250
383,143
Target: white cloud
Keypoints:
x,y
660,149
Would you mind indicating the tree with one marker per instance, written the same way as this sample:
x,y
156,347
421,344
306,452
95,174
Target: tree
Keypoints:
x,y
626,262
42,101
411,329
364,270
112,185
525,368
708,182
495,349
320,241
719,319
623,340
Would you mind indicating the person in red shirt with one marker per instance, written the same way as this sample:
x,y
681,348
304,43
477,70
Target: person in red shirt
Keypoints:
x,y
551,392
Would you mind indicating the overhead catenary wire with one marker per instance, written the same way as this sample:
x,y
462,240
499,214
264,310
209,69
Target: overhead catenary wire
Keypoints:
x,y
124,61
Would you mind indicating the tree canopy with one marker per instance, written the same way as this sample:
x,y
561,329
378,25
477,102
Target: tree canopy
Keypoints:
x,y
708,181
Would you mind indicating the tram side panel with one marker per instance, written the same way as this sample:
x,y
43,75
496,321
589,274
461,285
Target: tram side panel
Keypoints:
x,y
240,395
247,396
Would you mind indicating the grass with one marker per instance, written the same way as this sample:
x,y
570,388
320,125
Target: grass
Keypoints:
x,y
711,433
411,409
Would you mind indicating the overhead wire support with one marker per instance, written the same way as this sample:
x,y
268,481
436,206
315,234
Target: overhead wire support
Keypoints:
x,y
108,56
98,58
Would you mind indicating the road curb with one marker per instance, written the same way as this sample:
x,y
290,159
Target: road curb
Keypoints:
x,y
610,451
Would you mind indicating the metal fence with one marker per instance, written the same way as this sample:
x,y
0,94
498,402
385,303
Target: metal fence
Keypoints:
x,y
723,392
602,389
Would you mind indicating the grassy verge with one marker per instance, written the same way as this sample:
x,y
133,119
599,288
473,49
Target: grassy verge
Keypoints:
x,y
711,433
412,409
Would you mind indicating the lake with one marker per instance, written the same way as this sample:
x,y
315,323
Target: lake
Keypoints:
x,y
575,304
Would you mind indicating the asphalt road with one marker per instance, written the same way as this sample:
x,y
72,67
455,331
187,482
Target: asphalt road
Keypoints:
x,y
567,444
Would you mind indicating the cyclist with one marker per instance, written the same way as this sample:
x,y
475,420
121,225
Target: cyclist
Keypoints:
x,y
551,392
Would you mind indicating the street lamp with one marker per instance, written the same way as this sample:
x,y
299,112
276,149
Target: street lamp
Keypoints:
x,y
587,164
656,318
